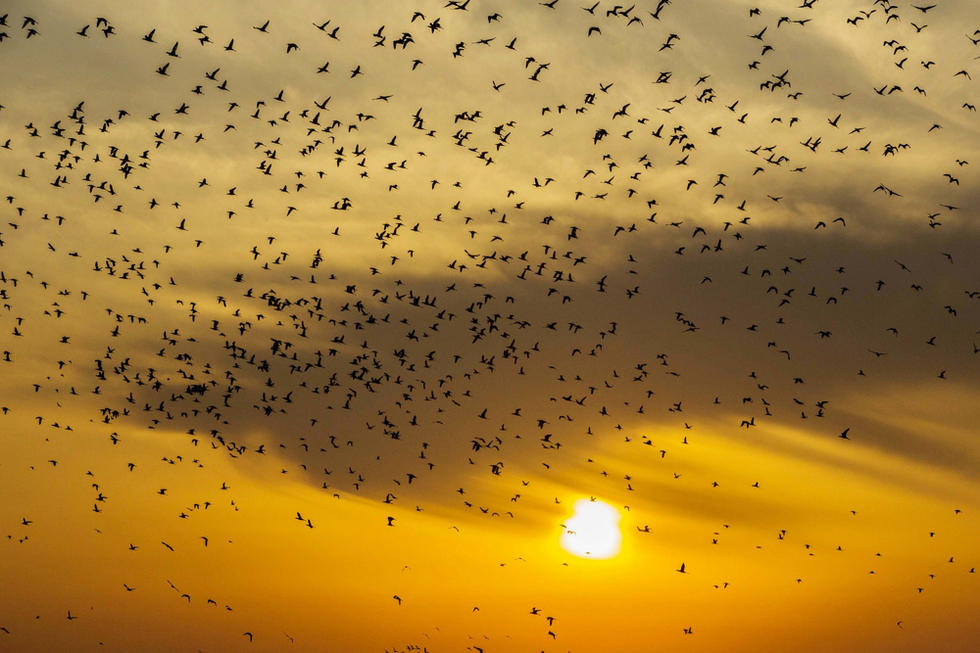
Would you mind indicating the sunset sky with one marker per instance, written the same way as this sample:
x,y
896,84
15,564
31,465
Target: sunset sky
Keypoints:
x,y
318,320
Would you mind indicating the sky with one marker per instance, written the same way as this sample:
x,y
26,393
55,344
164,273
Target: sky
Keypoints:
x,y
317,321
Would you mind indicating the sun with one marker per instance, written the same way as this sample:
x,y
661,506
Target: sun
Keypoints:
x,y
592,531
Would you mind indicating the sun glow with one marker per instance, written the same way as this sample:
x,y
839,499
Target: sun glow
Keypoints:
x,y
592,531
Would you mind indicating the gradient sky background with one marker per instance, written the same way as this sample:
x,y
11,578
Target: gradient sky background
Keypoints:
x,y
469,286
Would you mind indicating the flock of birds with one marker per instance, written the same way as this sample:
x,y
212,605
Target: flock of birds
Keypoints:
x,y
447,251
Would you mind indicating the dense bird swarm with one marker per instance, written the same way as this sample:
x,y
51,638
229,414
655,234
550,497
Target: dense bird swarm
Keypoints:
x,y
466,261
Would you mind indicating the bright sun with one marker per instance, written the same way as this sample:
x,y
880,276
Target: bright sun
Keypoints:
x,y
593,531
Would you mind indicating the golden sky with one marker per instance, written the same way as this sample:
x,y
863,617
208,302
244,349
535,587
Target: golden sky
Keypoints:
x,y
318,319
